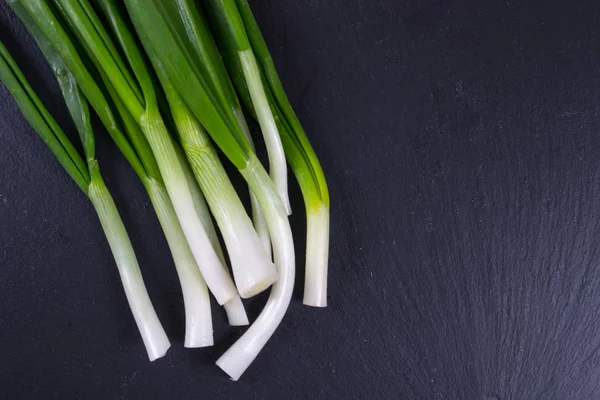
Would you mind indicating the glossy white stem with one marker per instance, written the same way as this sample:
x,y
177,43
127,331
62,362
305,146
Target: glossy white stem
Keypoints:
x,y
253,271
317,256
236,313
214,273
239,356
153,334
198,318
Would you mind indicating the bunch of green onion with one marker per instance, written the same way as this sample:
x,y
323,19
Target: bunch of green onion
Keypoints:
x,y
166,79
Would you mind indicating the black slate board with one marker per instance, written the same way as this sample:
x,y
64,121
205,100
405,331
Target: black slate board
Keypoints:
x,y
461,141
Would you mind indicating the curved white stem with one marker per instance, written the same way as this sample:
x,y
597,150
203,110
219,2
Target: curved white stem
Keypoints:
x,y
239,356
154,337
198,318
214,273
317,256
258,217
277,164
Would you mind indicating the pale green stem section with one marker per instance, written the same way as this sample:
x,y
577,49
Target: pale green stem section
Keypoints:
x,y
200,205
153,334
236,313
239,356
277,164
252,269
198,318
214,273
317,255
258,217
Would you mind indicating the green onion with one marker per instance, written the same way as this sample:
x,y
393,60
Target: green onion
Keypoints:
x,y
228,23
185,82
88,178
136,91
198,326
164,42
202,46
234,307
299,153
136,150
236,313
252,270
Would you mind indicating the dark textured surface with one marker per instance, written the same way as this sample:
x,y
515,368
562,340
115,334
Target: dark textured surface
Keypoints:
x,y
461,143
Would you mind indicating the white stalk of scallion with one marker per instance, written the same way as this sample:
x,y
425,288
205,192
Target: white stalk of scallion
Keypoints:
x,y
135,148
252,269
165,41
243,352
214,273
88,178
209,64
227,21
277,164
298,150
236,313
136,91
153,334
198,318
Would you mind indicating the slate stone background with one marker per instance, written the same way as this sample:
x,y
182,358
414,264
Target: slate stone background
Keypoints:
x,y
461,142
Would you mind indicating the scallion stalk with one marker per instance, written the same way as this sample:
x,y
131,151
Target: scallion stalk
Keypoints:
x,y
130,85
236,313
214,273
252,269
162,42
202,47
243,352
198,325
234,307
195,293
228,22
298,150
88,178
154,337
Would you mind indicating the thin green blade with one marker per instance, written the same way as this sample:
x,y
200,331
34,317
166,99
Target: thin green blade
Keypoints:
x,y
76,102
161,46
122,31
224,30
297,144
100,48
41,120
207,53
230,22
190,31
51,27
